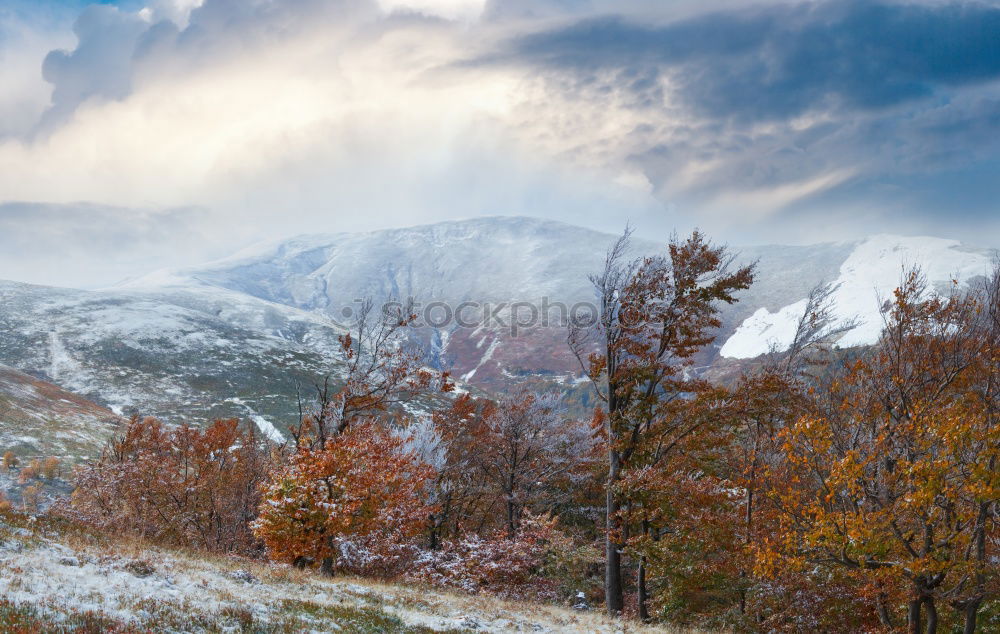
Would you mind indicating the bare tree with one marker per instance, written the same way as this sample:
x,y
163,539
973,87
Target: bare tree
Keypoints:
x,y
379,374
817,329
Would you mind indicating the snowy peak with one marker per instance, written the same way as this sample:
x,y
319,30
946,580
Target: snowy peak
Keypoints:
x,y
508,259
486,259
866,278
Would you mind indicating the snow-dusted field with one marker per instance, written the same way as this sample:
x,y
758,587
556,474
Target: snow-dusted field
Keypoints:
x,y
67,580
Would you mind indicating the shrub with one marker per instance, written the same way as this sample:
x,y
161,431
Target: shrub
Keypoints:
x,y
29,472
523,566
360,491
31,495
50,468
181,486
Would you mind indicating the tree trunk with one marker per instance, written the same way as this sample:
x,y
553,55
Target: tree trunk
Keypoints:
x,y
511,518
932,616
643,592
971,607
613,594
327,566
971,616
913,616
435,527
884,617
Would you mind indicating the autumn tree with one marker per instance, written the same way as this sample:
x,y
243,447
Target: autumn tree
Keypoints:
x,y
889,477
528,445
768,397
498,459
969,593
180,485
350,477
655,314
379,374
360,486
462,503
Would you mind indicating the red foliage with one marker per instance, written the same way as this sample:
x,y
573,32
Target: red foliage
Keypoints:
x,y
183,485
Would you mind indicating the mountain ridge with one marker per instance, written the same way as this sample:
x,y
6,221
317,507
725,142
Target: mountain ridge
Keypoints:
x,y
241,335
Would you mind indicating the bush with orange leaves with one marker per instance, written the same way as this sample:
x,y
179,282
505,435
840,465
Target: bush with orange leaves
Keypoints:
x,y
182,485
360,492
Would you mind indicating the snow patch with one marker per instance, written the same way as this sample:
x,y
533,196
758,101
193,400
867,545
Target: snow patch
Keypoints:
x,y
268,429
867,278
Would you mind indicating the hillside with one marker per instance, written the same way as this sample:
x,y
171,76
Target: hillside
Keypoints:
x,y
181,354
501,261
53,576
242,336
38,418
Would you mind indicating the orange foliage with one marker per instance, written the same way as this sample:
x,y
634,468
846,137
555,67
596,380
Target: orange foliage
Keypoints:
x,y
894,478
179,485
360,486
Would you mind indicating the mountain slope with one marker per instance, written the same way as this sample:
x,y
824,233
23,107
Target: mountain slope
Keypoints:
x,y
501,260
181,354
239,336
40,419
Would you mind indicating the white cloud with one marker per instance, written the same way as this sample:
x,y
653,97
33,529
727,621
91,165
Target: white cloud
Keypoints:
x,y
449,9
283,117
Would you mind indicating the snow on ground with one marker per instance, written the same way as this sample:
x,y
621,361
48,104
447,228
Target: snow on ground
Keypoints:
x,y
160,590
265,426
268,429
867,278
763,331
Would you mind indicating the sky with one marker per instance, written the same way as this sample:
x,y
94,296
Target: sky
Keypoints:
x,y
149,133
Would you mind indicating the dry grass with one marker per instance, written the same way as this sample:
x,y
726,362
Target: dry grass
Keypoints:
x,y
126,584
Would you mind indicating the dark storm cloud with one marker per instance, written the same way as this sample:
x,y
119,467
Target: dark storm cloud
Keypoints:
x,y
783,61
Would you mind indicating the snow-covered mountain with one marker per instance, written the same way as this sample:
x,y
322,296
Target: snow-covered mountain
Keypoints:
x,y
510,260
237,336
864,280
182,354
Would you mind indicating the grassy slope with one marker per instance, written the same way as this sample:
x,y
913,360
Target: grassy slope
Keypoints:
x,y
39,418
55,577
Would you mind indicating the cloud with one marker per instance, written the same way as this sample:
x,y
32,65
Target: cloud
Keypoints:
x,y
27,34
279,117
782,61
91,245
100,65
